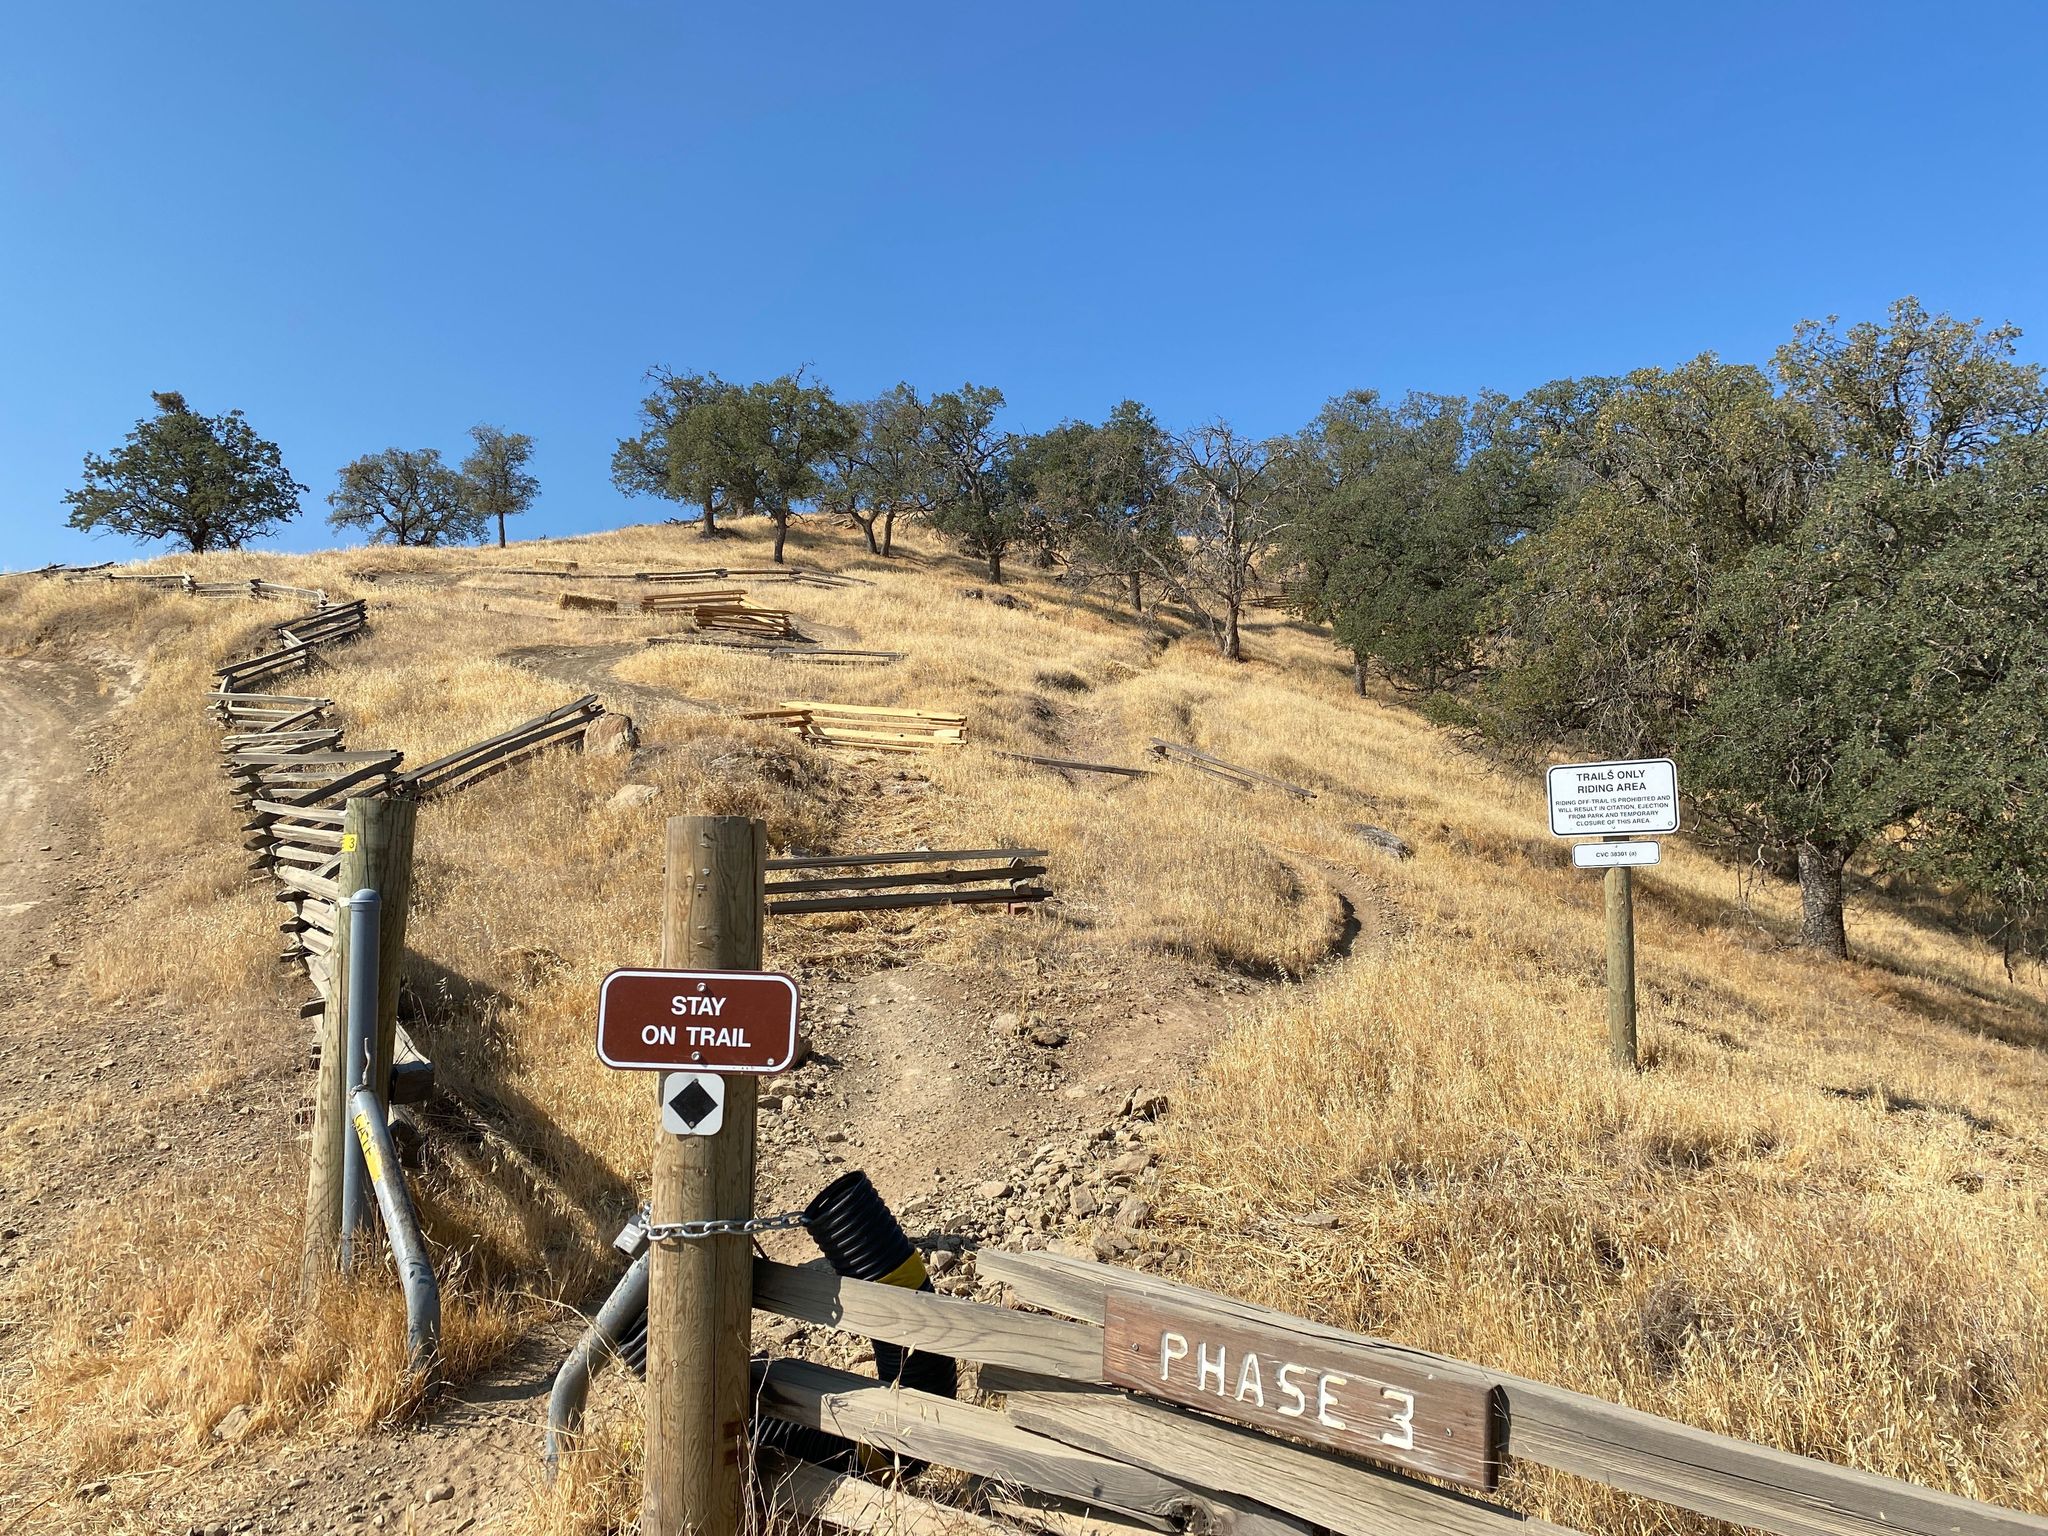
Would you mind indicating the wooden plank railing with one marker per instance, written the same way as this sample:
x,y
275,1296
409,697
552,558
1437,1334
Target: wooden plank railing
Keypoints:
x,y
1216,767
961,877
1050,1373
466,766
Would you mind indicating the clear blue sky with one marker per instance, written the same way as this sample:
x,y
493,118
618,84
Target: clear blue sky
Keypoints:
x,y
372,225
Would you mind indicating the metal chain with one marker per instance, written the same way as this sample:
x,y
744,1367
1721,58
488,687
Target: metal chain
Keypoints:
x,y
691,1231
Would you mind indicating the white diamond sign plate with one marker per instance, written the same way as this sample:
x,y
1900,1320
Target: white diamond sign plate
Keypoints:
x,y
692,1103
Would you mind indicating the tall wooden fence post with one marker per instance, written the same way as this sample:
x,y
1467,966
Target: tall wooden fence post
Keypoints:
x,y
700,1293
376,853
1621,968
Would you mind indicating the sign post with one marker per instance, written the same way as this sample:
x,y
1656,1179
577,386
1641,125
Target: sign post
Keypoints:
x,y
1616,802
1621,968
700,1293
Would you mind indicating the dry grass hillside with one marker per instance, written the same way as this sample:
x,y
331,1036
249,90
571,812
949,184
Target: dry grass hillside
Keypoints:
x,y
1817,1218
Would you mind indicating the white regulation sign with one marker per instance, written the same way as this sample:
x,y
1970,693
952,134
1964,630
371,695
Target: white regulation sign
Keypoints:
x,y
1612,855
1614,799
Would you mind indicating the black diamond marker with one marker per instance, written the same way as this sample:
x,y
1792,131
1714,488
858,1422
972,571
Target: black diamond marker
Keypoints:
x,y
692,1104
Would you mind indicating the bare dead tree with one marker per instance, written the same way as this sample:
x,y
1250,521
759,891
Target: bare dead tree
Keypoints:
x,y
1236,495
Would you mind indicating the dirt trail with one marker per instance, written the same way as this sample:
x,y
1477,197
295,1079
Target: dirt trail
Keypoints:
x,y
91,1099
921,1077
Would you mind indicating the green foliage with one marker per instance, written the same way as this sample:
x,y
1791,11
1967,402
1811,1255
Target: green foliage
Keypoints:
x,y
208,482
495,482
1104,497
1818,597
404,496
730,448
974,493
684,450
1402,526
879,473
792,430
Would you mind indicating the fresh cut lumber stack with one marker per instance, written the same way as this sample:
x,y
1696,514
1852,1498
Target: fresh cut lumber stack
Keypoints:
x,y
870,727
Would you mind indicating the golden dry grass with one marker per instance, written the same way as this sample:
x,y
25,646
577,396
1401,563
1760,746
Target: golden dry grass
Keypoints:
x,y
1815,1220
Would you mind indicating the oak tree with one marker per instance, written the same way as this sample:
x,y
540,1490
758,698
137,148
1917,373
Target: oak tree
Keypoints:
x,y
207,482
495,481
404,496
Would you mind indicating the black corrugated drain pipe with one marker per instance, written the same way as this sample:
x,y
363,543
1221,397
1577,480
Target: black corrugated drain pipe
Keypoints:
x,y
862,1240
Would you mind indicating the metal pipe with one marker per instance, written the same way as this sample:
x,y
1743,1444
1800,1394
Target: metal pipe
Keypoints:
x,y
408,1247
363,917
622,1311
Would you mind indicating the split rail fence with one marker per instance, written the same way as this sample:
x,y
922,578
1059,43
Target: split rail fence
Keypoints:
x,y
1143,1405
911,878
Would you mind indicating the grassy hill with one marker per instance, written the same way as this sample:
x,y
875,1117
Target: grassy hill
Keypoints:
x,y
1815,1219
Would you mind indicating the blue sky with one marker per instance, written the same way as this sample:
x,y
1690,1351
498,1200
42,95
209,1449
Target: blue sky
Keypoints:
x,y
373,225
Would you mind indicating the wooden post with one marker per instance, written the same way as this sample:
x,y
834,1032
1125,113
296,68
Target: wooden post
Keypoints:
x,y
700,1294
1621,968
376,852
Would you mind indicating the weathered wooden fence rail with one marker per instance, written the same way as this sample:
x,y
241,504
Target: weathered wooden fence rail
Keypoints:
x,y
1132,1454
1216,767
558,727
912,878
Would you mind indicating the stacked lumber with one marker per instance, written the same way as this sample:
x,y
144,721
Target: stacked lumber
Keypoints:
x,y
494,754
869,727
921,877
744,618
686,602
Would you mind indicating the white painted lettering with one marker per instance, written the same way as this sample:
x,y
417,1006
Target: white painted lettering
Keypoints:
x,y
1172,1347
1205,1367
1296,1396
1251,1385
1402,1436
1326,1384
657,1034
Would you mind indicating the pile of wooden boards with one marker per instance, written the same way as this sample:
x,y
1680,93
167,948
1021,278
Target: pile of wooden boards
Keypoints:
x,y
744,618
922,877
866,726
689,602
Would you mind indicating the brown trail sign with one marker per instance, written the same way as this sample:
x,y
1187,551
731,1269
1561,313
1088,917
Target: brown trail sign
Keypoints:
x,y
710,1021
1318,1390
